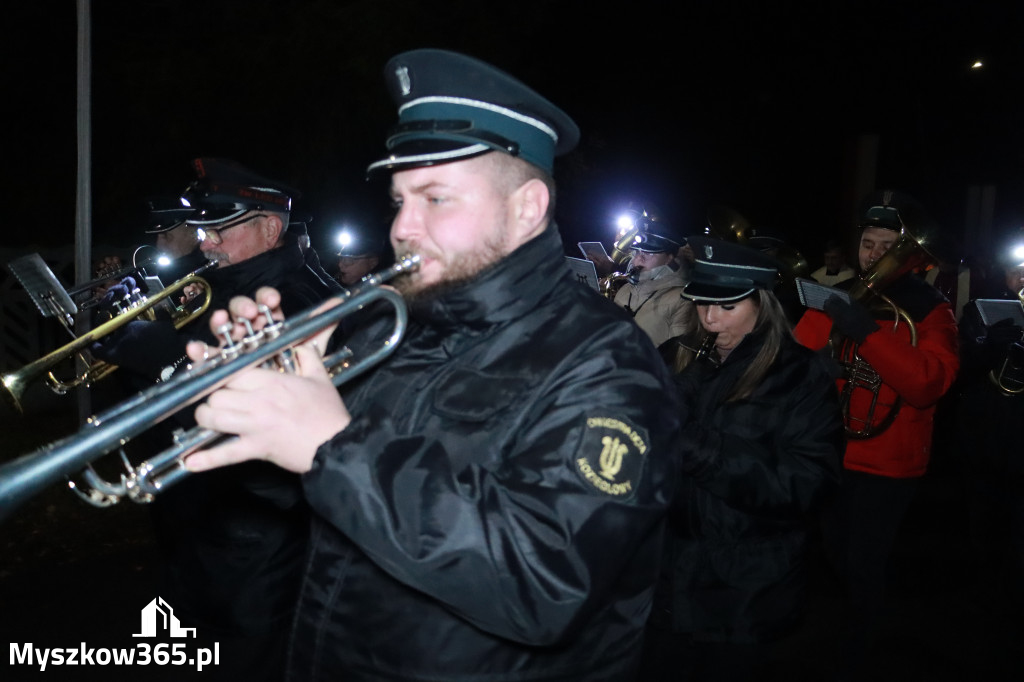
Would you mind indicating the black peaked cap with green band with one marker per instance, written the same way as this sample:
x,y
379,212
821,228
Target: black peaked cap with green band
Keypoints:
x,y
453,107
725,272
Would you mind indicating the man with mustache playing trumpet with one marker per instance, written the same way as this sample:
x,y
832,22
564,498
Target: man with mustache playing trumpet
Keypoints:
x,y
489,502
231,543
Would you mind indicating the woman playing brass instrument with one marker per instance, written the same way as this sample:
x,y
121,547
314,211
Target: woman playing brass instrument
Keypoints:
x,y
762,445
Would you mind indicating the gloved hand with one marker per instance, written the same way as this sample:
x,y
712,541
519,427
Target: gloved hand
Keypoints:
x,y
142,346
851,319
1003,332
117,292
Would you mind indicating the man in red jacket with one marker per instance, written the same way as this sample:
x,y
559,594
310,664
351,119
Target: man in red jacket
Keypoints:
x,y
888,447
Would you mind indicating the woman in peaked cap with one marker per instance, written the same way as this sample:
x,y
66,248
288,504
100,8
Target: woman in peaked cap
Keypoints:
x,y
762,445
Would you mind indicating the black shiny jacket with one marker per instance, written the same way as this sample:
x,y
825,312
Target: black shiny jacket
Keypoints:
x,y
495,509
146,348
755,468
234,538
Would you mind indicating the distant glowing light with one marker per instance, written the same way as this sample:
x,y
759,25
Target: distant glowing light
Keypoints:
x,y
977,65
1018,253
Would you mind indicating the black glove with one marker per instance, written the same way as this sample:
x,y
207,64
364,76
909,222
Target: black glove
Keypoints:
x,y
1003,332
142,346
851,319
117,293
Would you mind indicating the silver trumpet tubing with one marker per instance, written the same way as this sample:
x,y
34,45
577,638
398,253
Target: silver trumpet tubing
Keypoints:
x,y
30,474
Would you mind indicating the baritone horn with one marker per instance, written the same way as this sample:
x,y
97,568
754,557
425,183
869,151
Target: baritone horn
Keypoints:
x,y
110,430
15,383
907,254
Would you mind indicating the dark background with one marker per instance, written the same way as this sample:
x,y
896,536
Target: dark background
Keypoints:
x,y
759,106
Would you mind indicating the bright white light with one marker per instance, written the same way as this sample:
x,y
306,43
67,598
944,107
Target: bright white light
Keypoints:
x,y
625,222
163,260
977,65
344,238
201,234
1018,252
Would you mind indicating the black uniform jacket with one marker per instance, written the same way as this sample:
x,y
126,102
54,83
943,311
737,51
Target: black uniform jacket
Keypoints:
x,y
495,509
148,348
754,469
234,538
989,419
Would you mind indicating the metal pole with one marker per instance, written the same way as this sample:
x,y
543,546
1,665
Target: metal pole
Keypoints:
x,y
83,199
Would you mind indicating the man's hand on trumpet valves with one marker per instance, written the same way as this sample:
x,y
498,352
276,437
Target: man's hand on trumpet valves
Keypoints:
x,y
282,418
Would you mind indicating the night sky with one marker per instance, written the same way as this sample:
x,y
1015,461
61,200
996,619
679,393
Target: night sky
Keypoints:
x,y
683,105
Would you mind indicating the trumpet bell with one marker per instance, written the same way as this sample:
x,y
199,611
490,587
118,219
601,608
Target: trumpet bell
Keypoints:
x,y
16,383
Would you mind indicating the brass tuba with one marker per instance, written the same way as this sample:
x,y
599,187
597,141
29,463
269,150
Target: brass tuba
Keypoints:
x,y
907,254
15,383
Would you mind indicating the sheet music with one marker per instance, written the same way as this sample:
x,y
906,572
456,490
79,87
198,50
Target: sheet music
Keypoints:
x,y
994,310
814,294
594,251
584,271
42,286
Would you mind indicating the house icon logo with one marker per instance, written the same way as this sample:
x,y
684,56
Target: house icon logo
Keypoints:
x,y
158,618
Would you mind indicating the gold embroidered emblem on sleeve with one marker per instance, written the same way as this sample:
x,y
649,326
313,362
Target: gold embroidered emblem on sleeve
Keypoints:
x,y
611,455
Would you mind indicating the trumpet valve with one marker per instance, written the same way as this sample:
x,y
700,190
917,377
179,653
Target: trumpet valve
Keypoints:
x,y
252,338
136,298
230,349
273,327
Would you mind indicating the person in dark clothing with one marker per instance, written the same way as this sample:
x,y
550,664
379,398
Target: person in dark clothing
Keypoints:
x,y
989,411
177,255
762,446
489,503
232,540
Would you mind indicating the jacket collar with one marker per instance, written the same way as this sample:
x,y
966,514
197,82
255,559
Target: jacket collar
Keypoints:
x,y
662,277
268,266
746,350
505,291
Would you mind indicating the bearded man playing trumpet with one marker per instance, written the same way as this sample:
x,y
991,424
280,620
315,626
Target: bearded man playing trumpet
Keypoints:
x,y
910,365
488,503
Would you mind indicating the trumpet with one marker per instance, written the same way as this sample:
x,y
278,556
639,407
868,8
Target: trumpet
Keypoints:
x,y
28,475
15,383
